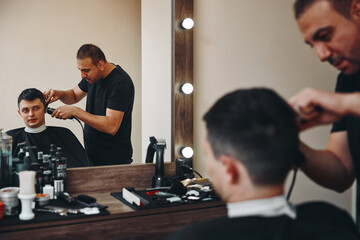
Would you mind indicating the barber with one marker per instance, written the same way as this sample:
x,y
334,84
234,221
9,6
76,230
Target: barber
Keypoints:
x,y
332,29
109,104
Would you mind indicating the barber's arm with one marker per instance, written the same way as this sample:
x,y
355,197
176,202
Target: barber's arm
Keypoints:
x,y
70,96
316,107
109,123
332,168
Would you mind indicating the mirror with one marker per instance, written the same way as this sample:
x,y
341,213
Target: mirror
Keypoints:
x,y
39,43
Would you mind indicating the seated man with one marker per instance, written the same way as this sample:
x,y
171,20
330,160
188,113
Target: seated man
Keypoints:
x,y
31,103
252,142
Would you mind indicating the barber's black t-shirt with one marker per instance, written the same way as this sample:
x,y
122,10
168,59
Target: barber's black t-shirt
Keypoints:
x,y
115,92
351,124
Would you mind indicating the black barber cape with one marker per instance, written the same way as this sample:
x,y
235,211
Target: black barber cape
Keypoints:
x,y
61,137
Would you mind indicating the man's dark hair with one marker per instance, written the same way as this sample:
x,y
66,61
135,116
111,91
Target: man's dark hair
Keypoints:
x,y
340,6
91,51
30,94
258,128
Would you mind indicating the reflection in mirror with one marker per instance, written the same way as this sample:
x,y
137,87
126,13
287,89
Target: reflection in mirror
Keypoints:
x,y
39,40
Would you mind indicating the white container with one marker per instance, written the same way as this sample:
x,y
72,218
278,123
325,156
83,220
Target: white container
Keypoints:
x,y
48,189
27,182
26,206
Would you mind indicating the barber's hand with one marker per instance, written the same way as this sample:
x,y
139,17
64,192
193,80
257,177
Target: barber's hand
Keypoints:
x,y
64,112
51,95
315,107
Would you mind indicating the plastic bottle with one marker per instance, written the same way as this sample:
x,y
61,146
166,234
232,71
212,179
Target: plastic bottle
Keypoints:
x,y
60,165
48,189
39,173
60,172
5,159
40,157
53,160
47,173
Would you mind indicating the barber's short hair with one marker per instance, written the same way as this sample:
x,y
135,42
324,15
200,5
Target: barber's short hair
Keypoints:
x,y
257,127
31,94
340,6
91,51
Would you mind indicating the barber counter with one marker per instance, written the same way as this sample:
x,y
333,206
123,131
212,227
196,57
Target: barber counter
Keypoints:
x,y
122,222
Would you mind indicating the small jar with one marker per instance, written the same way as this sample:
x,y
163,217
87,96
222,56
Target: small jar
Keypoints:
x,y
10,200
42,199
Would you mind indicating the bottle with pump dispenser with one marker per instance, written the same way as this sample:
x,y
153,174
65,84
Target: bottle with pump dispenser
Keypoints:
x,y
18,162
21,153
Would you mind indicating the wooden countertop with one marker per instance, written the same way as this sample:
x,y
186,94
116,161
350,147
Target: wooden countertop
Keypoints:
x,y
117,210
99,182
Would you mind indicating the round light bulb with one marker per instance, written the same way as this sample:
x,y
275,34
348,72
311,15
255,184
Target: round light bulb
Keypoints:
x,y
187,88
187,152
187,23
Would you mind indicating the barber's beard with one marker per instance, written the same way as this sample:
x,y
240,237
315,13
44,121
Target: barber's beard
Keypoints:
x,y
353,63
354,58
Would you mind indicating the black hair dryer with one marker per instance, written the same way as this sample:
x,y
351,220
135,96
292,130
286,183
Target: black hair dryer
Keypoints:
x,y
159,147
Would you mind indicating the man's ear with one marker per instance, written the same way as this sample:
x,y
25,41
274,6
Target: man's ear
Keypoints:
x,y
19,112
355,11
101,65
231,168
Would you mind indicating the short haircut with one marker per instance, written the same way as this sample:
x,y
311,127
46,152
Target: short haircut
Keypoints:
x,y
30,94
257,127
340,6
91,51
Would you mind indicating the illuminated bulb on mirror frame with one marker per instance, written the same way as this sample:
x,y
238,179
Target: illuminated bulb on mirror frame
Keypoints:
x,y
187,23
187,152
187,88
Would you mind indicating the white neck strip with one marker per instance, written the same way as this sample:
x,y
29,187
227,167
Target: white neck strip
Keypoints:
x,y
268,207
35,130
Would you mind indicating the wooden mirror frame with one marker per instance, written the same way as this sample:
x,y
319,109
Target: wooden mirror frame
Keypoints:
x,y
182,72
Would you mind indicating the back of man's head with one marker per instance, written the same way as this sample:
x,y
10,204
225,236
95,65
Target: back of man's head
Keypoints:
x,y
258,128
31,94
91,51
341,6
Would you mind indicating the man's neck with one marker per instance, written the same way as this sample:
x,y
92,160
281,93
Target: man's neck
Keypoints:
x,y
107,69
35,130
257,192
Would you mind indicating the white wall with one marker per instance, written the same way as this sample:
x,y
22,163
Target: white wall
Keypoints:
x,y
156,72
38,44
242,44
